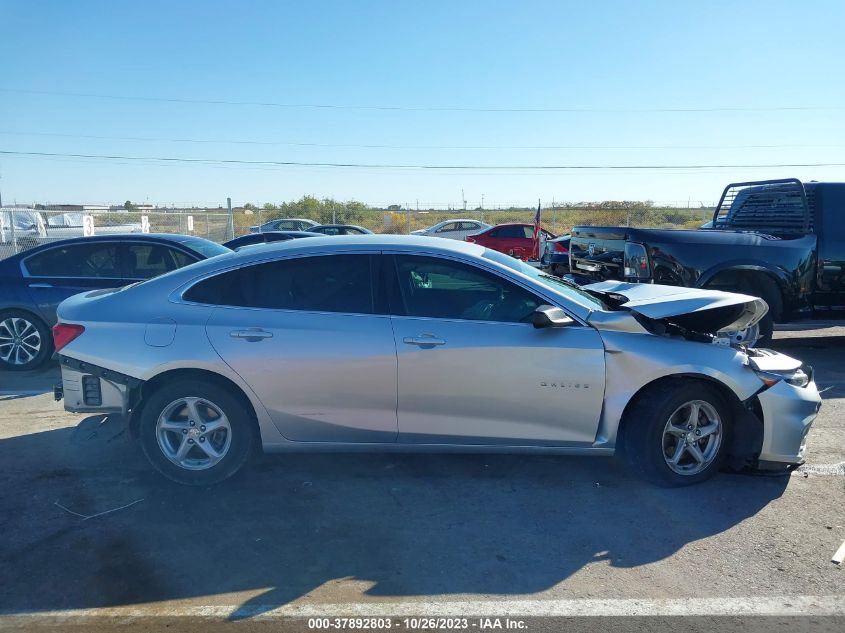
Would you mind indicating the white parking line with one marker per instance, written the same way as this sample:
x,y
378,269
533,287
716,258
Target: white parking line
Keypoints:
x,y
757,606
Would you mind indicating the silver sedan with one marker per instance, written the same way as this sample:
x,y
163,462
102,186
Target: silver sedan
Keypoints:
x,y
380,343
454,229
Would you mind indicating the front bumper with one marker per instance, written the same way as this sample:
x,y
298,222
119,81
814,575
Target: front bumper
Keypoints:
x,y
87,388
788,414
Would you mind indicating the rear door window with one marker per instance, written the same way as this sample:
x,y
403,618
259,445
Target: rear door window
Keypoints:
x,y
325,283
93,260
518,232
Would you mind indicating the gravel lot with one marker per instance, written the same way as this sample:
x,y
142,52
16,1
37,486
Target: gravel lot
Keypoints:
x,y
308,534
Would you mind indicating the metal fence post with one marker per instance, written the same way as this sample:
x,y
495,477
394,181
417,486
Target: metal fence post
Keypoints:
x,y
231,227
12,229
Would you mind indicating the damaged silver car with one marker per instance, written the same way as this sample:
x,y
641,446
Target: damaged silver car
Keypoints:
x,y
394,343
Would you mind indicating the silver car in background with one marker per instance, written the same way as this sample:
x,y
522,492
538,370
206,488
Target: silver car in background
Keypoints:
x,y
454,229
379,343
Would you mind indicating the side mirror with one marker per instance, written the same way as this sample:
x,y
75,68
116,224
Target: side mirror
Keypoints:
x,y
550,316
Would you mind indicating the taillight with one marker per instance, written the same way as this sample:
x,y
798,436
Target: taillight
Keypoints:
x,y
560,248
64,333
470,239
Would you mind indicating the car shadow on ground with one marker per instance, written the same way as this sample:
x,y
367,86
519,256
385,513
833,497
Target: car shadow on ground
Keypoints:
x,y
403,525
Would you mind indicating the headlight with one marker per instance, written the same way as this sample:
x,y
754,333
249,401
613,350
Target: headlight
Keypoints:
x,y
636,261
796,378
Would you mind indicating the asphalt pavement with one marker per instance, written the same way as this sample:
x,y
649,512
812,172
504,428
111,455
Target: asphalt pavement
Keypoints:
x,y
92,538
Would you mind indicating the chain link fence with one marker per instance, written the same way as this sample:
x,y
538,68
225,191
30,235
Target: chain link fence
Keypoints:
x,y
25,228
559,219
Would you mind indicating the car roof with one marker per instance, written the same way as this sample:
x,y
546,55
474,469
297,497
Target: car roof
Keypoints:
x,y
154,238
368,242
337,226
173,238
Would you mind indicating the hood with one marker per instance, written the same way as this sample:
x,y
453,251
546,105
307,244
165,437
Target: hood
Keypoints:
x,y
705,311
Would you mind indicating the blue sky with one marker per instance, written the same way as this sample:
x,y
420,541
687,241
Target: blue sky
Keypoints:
x,y
616,62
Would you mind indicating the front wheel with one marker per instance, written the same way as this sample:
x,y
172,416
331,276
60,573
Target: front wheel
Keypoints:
x,y
195,432
677,433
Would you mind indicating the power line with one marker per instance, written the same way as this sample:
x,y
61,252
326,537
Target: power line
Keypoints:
x,y
232,161
398,108
393,146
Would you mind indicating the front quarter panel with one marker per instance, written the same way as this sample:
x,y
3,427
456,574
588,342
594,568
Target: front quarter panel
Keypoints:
x,y
635,360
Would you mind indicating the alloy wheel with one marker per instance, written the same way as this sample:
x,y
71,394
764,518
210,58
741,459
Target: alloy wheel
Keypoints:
x,y
692,437
193,433
20,341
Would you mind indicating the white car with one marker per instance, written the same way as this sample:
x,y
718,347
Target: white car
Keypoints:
x,y
454,229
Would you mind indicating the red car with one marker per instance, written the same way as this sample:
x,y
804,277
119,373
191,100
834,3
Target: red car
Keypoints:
x,y
513,239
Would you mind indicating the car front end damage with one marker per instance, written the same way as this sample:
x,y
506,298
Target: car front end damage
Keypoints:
x,y
789,402
775,399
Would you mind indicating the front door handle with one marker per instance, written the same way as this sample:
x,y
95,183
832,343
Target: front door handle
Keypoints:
x,y
40,285
424,340
252,334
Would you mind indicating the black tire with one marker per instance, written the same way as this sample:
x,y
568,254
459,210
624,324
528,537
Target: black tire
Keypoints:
x,y
643,443
45,350
763,286
242,427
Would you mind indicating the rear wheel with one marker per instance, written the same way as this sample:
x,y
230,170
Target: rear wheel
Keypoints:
x,y
677,432
25,341
196,432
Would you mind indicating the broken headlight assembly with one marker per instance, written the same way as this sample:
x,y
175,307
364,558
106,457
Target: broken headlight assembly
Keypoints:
x,y
795,377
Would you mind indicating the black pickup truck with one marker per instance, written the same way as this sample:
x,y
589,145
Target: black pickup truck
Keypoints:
x,y
780,240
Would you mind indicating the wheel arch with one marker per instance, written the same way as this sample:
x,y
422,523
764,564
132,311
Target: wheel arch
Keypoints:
x,y
9,307
747,419
141,394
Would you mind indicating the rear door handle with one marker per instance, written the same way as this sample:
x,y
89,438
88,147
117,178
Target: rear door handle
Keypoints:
x,y
424,340
40,285
252,334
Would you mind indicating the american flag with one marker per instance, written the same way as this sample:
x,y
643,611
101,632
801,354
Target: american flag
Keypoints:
x,y
536,246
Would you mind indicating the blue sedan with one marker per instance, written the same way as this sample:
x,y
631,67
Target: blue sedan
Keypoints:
x,y
33,283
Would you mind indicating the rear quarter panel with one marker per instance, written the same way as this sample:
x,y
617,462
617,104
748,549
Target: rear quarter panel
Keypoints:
x,y
139,333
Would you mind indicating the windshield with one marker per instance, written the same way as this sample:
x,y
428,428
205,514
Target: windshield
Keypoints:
x,y
206,247
569,290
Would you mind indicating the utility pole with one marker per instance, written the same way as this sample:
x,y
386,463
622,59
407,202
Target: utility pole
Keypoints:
x,y
464,198
231,219
408,213
482,207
